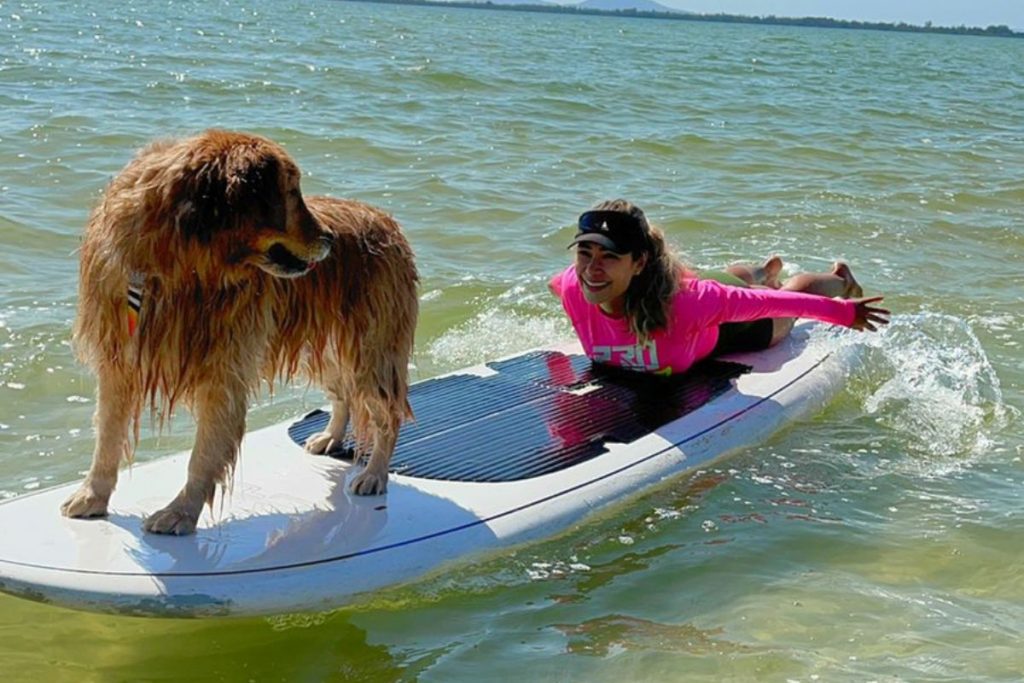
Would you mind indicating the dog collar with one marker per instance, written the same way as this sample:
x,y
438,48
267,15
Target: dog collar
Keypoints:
x,y
136,289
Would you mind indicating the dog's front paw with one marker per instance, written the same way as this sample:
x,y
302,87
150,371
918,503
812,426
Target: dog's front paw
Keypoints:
x,y
370,483
173,520
85,502
322,443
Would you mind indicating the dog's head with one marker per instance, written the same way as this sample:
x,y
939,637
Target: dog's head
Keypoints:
x,y
234,202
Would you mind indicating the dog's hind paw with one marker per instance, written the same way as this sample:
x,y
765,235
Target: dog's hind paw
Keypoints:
x,y
171,521
369,483
85,502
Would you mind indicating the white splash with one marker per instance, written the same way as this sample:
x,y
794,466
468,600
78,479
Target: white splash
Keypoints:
x,y
495,333
942,394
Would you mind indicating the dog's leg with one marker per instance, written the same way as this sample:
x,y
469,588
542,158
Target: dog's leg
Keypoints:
x,y
373,480
333,437
117,401
219,409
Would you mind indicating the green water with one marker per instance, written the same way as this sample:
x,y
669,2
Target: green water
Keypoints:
x,y
880,540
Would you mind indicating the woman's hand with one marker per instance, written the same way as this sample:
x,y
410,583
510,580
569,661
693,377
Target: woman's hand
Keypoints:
x,y
868,317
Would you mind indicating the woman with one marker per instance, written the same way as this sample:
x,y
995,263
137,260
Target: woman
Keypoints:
x,y
634,305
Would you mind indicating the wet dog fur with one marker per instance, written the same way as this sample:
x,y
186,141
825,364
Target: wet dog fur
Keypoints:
x,y
243,279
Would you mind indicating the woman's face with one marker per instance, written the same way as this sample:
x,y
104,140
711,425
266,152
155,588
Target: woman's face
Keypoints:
x,y
605,275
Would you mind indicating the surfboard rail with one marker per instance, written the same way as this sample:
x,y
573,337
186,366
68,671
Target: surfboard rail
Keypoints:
x,y
291,538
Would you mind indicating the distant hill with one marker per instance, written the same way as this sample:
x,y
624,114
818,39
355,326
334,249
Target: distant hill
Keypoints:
x,y
647,9
518,2
604,5
613,5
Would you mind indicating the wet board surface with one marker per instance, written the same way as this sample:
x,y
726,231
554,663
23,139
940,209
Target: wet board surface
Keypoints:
x,y
514,450
548,410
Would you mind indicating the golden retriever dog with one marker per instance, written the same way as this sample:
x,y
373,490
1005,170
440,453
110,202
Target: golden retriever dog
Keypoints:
x,y
203,271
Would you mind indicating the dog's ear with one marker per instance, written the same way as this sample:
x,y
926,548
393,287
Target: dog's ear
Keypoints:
x,y
241,187
254,189
201,199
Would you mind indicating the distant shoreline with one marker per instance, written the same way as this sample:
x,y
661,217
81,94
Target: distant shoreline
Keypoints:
x,y
1000,31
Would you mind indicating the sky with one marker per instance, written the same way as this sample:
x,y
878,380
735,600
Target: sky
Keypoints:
x,y
940,12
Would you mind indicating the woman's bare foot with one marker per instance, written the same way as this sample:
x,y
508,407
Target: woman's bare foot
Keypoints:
x,y
764,275
839,282
852,289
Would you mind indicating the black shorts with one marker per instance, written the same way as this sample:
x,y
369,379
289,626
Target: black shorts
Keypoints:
x,y
755,335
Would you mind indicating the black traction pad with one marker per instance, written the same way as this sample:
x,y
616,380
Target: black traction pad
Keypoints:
x,y
541,412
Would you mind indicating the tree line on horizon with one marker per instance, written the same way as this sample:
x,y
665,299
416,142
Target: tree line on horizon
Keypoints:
x,y
1001,30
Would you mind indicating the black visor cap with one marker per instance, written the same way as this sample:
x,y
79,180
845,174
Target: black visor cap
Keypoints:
x,y
616,231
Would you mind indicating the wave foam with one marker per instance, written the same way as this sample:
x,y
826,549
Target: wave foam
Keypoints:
x,y
495,333
942,395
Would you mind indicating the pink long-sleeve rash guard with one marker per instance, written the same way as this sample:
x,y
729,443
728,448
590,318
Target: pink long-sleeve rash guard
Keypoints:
x,y
699,307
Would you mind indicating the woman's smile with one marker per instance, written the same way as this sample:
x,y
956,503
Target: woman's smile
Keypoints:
x,y
593,284
605,276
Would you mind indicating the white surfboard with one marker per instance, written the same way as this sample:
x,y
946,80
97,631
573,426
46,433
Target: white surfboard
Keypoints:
x,y
500,454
